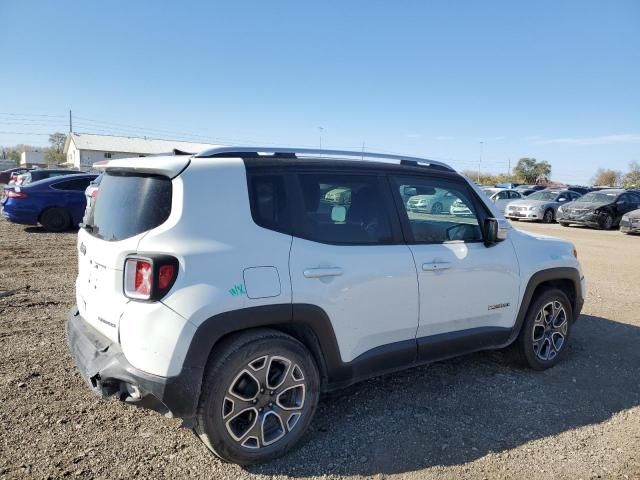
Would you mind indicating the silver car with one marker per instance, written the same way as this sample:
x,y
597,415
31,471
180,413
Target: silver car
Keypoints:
x,y
540,206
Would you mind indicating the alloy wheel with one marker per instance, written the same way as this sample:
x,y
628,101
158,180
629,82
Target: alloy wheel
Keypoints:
x,y
264,401
550,330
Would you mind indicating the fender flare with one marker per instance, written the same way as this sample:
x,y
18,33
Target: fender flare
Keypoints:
x,y
543,276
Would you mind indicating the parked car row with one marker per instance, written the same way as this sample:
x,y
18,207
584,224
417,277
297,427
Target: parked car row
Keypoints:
x,y
53,198
604,209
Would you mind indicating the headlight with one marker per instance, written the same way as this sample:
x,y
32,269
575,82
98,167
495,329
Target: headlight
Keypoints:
x,y
534,208
560,209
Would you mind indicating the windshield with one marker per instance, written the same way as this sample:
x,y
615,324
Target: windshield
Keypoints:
x,y
598,197
128,204
544,195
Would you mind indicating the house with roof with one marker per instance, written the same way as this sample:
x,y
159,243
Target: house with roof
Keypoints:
x,y
84,149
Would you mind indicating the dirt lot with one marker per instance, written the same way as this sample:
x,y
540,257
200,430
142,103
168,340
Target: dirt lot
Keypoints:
x,y
473,417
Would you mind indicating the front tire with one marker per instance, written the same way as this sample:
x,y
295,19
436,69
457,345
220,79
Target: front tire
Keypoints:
x,y
548,216
564,224
55,219
544,335
607,222
259,395
436,209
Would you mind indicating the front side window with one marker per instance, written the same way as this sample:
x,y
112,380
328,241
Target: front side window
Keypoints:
x,y
439,211
343,209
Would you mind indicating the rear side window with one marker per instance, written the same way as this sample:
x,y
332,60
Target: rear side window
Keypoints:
x,y
78,184
128,204
344,209
269,205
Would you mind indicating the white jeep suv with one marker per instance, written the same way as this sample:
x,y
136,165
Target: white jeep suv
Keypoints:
x,y
232,287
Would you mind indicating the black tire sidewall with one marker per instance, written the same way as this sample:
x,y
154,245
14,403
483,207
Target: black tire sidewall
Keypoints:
x,y
544,217
526,334
55,213
210,420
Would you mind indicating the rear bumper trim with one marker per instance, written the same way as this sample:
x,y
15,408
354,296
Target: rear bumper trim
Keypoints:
x,y
107,372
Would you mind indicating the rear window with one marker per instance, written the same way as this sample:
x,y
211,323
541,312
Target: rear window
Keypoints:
x,y
128,204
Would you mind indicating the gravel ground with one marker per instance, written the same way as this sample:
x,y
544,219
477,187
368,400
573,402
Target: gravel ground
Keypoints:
x,y
473,417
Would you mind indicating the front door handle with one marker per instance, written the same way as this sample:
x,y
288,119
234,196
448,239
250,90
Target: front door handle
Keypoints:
x,y
435,266
322,272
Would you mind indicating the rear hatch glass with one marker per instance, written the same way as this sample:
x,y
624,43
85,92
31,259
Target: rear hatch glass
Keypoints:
x,y
128,204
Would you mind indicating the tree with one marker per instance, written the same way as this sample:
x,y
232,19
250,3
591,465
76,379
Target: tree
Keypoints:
x,y
529,170
607,177
55,152
632,177
487,178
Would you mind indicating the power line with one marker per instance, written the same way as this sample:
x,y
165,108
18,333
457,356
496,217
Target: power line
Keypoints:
x,y
23,133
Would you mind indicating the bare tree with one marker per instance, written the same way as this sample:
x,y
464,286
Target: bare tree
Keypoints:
x,y
607,177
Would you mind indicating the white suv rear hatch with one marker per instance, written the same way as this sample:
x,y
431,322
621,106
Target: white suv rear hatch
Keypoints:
x,y
130,202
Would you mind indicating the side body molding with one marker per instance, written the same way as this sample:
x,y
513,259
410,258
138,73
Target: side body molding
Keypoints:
x,y
310,324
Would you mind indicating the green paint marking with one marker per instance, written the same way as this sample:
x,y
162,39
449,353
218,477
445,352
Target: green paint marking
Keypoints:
x,y
236,290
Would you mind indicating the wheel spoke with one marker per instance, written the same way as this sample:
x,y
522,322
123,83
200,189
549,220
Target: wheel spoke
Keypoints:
x,y
272,427
277,372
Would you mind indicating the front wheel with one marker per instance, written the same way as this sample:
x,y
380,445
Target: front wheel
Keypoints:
x,y
607,222
545,332
437,208
258,398
548,216
564,224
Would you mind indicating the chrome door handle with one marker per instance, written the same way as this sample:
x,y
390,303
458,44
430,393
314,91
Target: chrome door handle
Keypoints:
x,y
435,266
322,272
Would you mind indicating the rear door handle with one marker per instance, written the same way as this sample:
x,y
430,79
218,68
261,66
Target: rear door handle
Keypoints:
x,y
435,266
322,272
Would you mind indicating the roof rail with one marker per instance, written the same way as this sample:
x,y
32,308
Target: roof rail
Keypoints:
x,y
294,152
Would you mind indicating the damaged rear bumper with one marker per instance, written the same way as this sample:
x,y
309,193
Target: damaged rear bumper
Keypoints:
x,y
108,373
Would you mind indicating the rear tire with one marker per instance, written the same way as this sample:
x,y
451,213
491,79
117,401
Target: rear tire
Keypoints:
x,y
544,335
259,395
55,219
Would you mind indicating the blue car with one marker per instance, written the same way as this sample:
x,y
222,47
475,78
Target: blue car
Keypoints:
x,y
56,203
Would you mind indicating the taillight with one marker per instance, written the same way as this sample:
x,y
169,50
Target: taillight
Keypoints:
x,y
14,194
94,194
149,278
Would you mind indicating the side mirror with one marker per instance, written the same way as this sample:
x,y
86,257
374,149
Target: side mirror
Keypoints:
x,y
494,232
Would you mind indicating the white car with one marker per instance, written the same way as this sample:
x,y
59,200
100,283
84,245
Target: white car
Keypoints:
x,y
502,196
224,289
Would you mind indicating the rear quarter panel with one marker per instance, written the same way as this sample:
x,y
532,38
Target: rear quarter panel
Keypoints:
x,y
211,232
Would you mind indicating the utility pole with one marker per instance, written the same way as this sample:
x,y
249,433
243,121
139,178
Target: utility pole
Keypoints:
x,y
509,167
362,157
320,129
480,162
70,123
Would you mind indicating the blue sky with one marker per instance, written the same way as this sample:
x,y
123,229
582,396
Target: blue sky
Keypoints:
x,y
557,80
